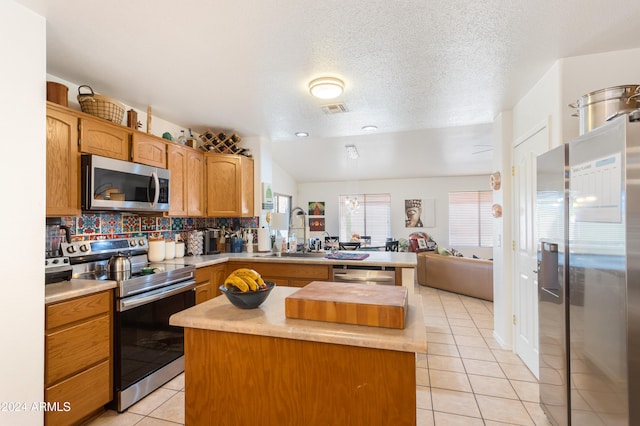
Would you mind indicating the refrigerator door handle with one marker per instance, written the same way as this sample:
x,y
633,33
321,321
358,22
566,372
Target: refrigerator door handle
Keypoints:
x,y
551,292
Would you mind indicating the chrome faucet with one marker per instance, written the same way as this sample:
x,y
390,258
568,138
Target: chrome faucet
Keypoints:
x,y
305,245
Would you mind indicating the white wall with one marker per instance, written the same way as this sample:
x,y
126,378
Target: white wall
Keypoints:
x,y
541,103
22,168
400,190
283,183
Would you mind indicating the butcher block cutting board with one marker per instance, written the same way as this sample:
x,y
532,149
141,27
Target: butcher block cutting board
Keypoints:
x,y
361,304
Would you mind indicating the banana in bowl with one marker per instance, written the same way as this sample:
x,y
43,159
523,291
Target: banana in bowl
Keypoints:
x,y
246,289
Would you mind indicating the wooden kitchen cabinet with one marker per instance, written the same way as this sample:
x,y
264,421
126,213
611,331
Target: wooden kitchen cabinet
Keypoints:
x,y
63,162
78,356
229,185
186,185
103,138
195,182
208,279
286,274
148,149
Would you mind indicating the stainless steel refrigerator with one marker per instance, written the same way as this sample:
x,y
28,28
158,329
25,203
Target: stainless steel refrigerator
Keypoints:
x,y
588,224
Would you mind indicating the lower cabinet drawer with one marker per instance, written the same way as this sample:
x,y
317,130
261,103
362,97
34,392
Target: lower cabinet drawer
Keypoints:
x,y
75,348
64,313
79,395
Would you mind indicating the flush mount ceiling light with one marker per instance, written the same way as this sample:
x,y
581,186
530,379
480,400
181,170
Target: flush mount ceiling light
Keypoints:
x,y
352,152
369,128
326,87
302,134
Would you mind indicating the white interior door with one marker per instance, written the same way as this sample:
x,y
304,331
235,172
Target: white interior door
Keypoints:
x,y
525,288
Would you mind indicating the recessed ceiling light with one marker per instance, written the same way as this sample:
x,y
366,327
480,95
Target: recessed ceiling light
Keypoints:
x,y
370,128
302,134
326,87
352,152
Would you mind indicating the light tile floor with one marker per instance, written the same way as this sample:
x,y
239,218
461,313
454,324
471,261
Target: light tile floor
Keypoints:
x,y
465,378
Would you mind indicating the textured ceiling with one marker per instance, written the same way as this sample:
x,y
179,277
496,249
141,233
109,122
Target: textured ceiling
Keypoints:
x,y
431,74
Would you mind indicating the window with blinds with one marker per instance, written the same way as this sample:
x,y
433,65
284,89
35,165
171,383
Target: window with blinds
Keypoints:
x,y
470,219
365,214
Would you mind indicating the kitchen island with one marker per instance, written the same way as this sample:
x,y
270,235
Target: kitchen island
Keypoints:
x,y
258,367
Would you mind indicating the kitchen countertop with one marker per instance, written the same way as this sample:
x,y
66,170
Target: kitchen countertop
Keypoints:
x,y
75,288
269,320
64,290
377,258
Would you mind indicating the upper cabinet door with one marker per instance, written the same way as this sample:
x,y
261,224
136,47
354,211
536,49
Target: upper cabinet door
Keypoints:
x,y
103,138
223,185
63,163
229,185
149,150
195,183
246,197
177,164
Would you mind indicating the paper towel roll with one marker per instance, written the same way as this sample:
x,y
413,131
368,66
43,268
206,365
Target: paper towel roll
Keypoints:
x,y
264,240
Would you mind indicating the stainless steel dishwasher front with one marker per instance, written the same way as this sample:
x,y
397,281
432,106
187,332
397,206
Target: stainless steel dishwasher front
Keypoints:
x,y
369,274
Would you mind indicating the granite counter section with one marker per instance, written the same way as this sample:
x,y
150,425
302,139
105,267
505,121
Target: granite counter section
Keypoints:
x,y
377,258
65,290
269,320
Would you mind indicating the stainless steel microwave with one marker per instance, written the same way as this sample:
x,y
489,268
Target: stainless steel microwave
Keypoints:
x,y
110,184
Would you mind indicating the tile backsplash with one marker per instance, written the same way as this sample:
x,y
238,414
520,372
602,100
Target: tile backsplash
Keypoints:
x,y
94,226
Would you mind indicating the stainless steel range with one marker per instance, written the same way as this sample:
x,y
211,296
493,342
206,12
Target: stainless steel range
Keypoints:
x,y
148,352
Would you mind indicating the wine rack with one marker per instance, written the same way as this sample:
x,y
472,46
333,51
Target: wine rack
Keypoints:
x,y
220,142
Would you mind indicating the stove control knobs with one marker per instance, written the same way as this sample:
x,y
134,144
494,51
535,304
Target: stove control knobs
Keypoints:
x,y
132,243
84,248
71,249
141,242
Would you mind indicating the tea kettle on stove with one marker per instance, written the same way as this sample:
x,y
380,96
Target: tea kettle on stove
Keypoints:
x,y
119,266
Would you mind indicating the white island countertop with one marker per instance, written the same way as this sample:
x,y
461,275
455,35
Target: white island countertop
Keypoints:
x,y
269,320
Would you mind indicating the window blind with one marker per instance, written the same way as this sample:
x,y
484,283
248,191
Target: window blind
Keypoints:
x,y
470,219
365,214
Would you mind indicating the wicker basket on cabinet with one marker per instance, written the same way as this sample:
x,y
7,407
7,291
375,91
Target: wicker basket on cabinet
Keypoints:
x,y
100,106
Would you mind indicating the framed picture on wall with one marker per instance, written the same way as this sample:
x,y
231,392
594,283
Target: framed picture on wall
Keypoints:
x,y
419,213
316,224
413,213
316,208
267,196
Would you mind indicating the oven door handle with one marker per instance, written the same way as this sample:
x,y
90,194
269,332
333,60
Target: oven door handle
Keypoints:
x,y
152,296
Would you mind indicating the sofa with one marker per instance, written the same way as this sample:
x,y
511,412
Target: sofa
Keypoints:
x,y
463,275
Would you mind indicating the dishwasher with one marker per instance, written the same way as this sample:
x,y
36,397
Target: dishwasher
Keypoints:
x,y
385,275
